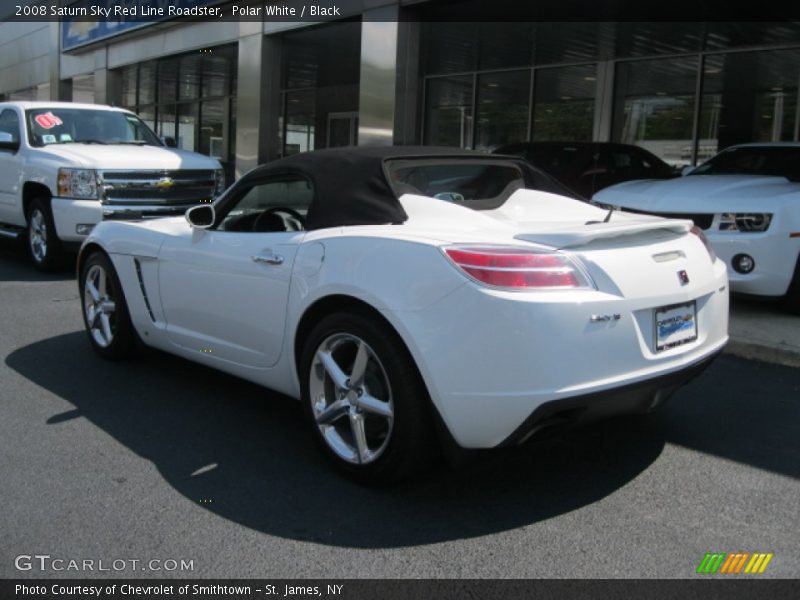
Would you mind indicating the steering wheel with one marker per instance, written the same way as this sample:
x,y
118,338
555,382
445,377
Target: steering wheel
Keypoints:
x,y
262,220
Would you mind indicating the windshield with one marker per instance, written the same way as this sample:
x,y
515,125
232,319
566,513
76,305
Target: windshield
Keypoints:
x,y
477,184
775,161
86,126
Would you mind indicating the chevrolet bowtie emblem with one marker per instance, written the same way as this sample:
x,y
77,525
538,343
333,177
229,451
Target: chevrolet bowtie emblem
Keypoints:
x,y
165,183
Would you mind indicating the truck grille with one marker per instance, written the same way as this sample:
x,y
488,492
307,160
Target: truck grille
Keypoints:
x,y
164,188
702,220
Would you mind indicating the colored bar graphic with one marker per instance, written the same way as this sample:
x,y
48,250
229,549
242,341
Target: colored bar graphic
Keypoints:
x,y
758,563
734,562
711,562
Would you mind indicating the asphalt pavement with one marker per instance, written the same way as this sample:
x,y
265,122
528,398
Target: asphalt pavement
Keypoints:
x,y
161,459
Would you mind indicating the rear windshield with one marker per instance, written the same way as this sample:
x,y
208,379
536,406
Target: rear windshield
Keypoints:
x,y
774,161
86,126
477,184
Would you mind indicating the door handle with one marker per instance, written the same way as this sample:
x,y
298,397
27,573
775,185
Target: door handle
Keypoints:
x,y
270,259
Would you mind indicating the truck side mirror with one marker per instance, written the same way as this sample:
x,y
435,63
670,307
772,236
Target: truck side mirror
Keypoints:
x,y
7,142
169,141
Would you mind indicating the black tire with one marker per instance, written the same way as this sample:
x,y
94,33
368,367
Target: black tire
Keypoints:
x,y
123,339
791,301
405,440
44,248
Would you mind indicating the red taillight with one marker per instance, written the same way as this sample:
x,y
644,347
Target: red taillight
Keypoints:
x,y
699,233
517,267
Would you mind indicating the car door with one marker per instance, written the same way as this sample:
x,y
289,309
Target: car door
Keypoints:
x,y
10,169
224,289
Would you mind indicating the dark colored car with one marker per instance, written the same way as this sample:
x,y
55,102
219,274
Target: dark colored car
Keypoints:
x,y
588,167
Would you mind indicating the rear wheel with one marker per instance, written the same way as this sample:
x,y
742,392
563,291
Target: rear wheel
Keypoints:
x,y
105,312
44,247
365,400
791,301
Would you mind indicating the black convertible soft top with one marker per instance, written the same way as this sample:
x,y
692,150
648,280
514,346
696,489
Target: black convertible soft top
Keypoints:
x,y
350,183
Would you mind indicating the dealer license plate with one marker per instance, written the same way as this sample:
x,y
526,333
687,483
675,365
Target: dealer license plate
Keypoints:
x,y
675,325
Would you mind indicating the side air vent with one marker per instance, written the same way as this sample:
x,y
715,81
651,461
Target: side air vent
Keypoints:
x,y
144,290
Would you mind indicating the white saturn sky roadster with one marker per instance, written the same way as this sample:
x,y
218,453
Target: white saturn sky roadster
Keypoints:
x,y
413,297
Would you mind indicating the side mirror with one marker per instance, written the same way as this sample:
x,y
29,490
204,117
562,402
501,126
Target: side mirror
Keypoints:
x,y
686,170
169,141
7,142
201,216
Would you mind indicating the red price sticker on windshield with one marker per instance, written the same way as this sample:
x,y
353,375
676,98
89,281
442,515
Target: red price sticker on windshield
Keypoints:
x,y
48,120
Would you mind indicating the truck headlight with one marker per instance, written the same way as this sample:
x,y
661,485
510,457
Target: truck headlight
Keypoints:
x,y
77,183
219,182
745,222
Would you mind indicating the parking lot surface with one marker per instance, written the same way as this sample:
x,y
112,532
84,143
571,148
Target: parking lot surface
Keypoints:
x,y
161,459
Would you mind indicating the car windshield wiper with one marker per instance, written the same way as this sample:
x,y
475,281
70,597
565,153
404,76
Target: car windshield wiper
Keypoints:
x,y
132,142
89,142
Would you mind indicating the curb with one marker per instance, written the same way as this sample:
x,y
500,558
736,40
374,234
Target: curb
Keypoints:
x,y
788,357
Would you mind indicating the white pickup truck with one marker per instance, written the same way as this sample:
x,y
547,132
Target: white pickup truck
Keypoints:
x,y
65,167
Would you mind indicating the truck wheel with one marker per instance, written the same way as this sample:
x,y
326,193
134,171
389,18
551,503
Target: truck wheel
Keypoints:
x,y
791,301
44,247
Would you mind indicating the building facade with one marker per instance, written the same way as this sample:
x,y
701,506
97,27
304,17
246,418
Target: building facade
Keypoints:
x,y
250,92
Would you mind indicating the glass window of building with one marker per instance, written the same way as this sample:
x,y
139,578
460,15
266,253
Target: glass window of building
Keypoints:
x,y
724,35
484,86
570,42
502,108
563,108
505,45
299,118
147,83
188,126
654,106
682,90
448,111
129,83
189,98
320,73
449,47
748,97
657,38
167,78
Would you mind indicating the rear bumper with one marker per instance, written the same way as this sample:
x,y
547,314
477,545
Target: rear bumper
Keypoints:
x,y
492,359
74,218
636,398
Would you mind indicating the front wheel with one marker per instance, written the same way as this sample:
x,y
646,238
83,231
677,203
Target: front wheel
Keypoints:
x,y
44,247
365,400
105,312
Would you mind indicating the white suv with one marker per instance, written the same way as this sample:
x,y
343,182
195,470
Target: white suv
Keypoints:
x,y
65,167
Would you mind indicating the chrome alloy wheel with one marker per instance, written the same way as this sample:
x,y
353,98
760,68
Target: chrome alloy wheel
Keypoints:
x,y
354,412
37,235
98,306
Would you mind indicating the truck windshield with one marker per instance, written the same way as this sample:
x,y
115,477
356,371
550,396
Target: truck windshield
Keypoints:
x,y
775,161
59,125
